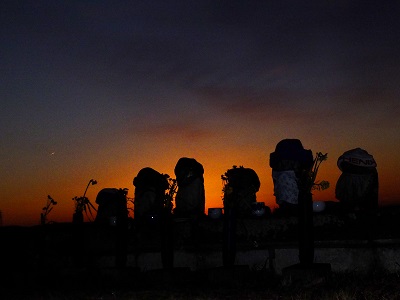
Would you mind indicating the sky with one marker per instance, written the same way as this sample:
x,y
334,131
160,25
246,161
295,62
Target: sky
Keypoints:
x,y
101,89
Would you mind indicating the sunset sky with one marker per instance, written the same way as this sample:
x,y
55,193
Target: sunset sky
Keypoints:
x,y
102,89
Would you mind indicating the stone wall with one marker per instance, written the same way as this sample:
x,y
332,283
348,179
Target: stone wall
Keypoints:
x,y
345,241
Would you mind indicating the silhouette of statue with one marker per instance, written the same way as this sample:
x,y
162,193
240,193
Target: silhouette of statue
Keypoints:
x,y
150,187
357,186
152,218
112,208
240,189
113,212
190,197
290,165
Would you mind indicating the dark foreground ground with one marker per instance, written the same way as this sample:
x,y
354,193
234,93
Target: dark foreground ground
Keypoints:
x,y
238,283
40,263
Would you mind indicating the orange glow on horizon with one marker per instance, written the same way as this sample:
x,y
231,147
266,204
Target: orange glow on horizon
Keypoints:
x,y
86,103
19,208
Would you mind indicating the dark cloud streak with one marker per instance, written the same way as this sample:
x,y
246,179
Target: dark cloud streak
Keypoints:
x,y
241,57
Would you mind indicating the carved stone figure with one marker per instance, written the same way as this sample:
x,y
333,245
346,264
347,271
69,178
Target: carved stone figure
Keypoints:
x,y
150,187
357,186
190,197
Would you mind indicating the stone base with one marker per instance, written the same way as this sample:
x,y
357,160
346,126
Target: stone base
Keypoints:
x,y
306,274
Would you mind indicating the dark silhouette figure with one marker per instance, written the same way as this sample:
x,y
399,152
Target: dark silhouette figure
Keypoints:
x,y
357,190
150,187
112,209
152,216
113,213
190,197
357,186
291,165
240,188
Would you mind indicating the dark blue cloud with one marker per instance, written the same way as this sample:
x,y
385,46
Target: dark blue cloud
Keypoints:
x,y
245,49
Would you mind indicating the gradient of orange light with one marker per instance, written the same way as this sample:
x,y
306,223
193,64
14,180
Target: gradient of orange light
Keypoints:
x,y
24,209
